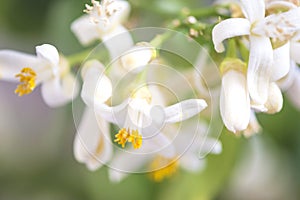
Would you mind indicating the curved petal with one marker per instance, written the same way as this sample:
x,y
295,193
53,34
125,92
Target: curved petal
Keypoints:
x,y
281,65
227,29
255,9
85,31
192,163
234,101
293,92
91,144
12,62
57,92
48,52
287,81
184,110
117,42
259,68
96,88
253,127
275,100
295,49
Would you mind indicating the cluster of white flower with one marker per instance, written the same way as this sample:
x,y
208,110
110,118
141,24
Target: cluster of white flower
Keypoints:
x,y
268,34
261,62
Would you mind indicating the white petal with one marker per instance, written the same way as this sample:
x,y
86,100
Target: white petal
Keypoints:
x,y
57,92
97,87
287,81
124,163
113,114
192,163
295,49
12,62
253,127
48,52
259,68
234,101
280,26
293,92
85,30
91,144
137,57
184,110
117,42
255,9
281,65
280,4
275,100
227,29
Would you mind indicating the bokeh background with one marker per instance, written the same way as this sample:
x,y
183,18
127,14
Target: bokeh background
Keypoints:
x,y
36,158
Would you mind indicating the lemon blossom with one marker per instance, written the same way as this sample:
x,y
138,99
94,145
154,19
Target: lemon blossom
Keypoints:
x,y
104,21
47,68
134,119
186,155
92,145
260,29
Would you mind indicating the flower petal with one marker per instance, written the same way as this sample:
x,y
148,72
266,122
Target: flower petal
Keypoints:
x,y
91,145
97,87
295,49
184,110
117,42
227,29
48,52
293,93
255,9
234,101
85,30
281,65
192,163
275,100
12,62
259,68
57,92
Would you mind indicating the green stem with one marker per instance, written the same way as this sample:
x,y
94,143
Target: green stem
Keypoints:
x,y
160,39
78,57
207,12
231,50
243,50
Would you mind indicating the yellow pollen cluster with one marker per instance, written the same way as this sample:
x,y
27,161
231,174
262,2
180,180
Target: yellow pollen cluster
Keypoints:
x,y
165,172
27,81
124,136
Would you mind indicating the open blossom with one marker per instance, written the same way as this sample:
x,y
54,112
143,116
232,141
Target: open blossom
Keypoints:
x,y
92,144
260,29
103,21
134,119
47,68
185,155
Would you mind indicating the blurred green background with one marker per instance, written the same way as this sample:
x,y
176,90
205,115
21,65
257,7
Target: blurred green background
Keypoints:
x,y
36,142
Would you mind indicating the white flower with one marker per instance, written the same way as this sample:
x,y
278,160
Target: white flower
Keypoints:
x,y
134,115
234,99
92,144
138,56
104,21
188,146
260,29
47,68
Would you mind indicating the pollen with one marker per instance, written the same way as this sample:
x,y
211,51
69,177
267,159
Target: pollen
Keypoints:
x,y
27,79
136,139
169,169
124,136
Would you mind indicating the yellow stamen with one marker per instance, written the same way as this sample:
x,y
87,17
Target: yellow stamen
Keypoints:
x,y
165,172
27,81
136,139
122,137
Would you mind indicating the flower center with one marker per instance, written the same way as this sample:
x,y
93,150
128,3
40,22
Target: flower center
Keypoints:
x,y
100,12
27,81
133,136
169,169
